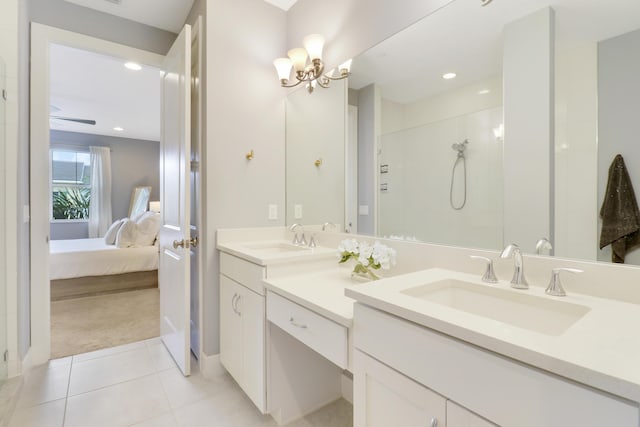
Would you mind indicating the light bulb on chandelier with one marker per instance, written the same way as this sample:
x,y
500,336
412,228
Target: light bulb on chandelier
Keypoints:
x,y
312,71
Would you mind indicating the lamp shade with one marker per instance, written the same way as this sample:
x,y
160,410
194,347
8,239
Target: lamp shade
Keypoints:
x,y
283,67
298,57
314,43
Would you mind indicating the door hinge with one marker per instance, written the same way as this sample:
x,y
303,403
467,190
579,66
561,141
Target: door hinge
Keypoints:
x,y
195,165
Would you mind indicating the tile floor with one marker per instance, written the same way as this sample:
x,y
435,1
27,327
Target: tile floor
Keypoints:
x,y
139,385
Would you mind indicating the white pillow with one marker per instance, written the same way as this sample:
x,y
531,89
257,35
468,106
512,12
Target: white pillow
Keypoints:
x,y
127,234
112,232
148,228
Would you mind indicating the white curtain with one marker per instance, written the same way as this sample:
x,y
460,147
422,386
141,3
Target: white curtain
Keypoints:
x,y
100,207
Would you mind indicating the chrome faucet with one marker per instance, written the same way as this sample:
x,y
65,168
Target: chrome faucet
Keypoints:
x,y
543,245
298,241
328,224
518,281
489,275
555,287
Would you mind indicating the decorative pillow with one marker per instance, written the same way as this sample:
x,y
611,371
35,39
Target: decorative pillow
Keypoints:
x,y
127,234
148,228
112,232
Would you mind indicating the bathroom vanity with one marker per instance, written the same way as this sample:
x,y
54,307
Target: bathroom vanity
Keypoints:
x,y
431,345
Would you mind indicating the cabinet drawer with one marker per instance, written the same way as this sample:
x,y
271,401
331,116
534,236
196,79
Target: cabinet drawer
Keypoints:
x,y
317,332
244,272
497,388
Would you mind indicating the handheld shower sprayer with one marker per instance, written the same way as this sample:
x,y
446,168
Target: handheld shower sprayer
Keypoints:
x,y
459,147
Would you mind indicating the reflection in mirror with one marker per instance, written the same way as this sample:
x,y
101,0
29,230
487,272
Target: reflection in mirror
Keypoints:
x,y
315,155
406,118
139,200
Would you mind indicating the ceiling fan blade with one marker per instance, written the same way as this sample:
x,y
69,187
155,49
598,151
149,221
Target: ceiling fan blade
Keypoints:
x,y
69,119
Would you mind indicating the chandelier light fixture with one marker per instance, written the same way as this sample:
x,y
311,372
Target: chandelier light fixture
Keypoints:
x,y
310,72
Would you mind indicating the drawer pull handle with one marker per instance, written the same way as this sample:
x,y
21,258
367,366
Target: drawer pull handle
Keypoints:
x,y
296,324
434,422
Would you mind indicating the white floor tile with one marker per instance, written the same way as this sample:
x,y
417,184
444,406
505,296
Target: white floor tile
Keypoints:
x,y
50,414
183,390
108,351
166,420
45,383
105,371
215,411
119,405
162,360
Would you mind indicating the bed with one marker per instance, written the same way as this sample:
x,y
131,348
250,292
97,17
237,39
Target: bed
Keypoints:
x,y
83,267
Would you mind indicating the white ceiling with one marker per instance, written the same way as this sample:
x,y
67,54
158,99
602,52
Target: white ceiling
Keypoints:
x,y
466,38
88,85
168,15
282,4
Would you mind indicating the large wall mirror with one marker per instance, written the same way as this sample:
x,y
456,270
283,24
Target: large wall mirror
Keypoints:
x,y
430,150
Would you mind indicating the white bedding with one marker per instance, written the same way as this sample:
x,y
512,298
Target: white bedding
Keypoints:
x,y
92,257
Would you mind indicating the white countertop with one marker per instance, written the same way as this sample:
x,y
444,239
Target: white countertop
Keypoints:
x,y
320,291
601,350
262,252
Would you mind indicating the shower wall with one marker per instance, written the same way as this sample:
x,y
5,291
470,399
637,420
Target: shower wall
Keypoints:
x,y
419,162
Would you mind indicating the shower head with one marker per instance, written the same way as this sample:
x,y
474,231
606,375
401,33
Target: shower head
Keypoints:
x,y
460,146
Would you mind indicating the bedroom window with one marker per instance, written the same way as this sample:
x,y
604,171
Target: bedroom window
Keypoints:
x,y
70,184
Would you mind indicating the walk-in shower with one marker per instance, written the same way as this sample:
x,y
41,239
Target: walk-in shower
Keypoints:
x,y
460,147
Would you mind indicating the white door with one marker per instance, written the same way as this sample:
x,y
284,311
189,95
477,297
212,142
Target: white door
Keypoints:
x,y
175,239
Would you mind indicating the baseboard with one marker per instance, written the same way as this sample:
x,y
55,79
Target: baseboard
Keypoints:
x,y
210,366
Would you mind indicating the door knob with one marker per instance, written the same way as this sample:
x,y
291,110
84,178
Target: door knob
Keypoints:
x,y
191,243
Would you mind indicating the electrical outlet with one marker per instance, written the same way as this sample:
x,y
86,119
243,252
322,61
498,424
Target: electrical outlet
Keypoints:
x,y
297,211
273,212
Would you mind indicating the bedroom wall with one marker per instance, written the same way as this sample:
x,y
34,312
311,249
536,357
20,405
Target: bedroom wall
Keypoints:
x,y
134,163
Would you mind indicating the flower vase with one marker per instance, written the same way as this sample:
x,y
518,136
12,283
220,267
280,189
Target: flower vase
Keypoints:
x,y
363,274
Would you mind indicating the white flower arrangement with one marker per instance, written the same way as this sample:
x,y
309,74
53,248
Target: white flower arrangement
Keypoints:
x,y
368,257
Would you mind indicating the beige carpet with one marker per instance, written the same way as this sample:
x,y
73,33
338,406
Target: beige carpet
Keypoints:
x,y
86,324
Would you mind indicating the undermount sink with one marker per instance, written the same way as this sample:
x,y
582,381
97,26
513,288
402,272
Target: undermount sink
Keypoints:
x,y
538,314
279,247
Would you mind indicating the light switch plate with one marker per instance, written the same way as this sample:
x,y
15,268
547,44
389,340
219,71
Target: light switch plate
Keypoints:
x,y
297,211
273,212
363,210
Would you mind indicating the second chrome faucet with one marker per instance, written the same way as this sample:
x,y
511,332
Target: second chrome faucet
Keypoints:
x,y
518,281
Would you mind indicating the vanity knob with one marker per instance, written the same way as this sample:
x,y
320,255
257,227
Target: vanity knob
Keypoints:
x,y
489,275
555,287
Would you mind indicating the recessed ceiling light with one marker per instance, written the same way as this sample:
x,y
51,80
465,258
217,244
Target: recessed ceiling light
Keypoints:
x,y
449,76
118,129
483,91
133,66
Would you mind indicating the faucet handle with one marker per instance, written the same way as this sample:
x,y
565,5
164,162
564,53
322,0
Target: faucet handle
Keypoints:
x,y
312,240
555,287
489,275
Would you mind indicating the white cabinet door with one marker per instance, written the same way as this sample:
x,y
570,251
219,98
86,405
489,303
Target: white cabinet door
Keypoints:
x,y
231,328
252,312
384,397
457,416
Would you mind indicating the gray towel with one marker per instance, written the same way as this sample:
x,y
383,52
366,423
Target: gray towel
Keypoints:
x,y
619,213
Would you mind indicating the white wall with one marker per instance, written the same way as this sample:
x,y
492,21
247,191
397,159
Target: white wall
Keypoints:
x,y
576,151
528,144
618,116
245,111
315,129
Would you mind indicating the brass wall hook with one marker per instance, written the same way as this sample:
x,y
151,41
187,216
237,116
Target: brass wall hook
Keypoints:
x,y
318,162
249,155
